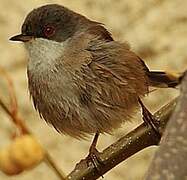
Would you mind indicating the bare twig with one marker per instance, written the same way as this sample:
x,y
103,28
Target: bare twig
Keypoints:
x,y
19,122
170,159
48,159
13,100
138,139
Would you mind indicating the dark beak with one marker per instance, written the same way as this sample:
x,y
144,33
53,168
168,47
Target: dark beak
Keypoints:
x,y
21,37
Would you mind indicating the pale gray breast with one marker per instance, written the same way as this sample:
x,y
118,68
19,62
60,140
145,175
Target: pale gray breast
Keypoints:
x,y
52,87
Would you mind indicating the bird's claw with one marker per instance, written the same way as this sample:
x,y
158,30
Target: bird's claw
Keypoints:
x,y
149,119
93,159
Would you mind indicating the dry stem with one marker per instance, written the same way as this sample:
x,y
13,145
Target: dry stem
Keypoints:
x,y
19,122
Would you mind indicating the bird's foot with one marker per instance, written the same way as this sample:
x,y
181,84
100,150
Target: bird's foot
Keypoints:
x,y
93,158
149,119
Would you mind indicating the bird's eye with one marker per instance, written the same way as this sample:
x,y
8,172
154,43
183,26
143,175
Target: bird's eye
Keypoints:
x,y
49,31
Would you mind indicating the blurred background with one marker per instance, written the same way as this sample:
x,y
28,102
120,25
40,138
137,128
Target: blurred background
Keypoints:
x,y
157,32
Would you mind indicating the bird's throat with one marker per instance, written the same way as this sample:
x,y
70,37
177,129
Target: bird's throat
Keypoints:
x,y
43,53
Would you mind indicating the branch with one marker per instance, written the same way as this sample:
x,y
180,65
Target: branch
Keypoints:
x,y
170,159
141,137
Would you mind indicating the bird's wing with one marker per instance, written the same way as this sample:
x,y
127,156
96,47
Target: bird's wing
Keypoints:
x,y
115,73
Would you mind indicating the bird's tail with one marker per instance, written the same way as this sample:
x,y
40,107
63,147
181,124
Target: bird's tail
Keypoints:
x,y
163,79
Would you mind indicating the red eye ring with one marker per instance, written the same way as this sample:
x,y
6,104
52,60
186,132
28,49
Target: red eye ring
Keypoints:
x,y
49,30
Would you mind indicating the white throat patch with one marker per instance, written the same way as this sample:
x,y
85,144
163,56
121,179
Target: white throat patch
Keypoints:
x,y
43,52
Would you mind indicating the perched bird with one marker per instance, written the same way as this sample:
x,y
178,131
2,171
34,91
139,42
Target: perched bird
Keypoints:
x,y
81,80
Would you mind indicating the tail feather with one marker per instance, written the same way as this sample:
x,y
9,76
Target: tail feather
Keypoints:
x,y
163,79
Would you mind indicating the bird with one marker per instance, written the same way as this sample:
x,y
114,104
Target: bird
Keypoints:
x,y
83,81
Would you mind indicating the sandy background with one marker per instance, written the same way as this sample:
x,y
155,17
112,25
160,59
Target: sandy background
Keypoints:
x,y
156,30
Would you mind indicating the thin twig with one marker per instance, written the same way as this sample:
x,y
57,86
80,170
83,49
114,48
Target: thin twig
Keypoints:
x,y
25,130
48,159
19,122
141,137
15,119
13,100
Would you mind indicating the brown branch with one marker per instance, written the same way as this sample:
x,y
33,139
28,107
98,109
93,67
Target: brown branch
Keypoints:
x,y
170,159
141,137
